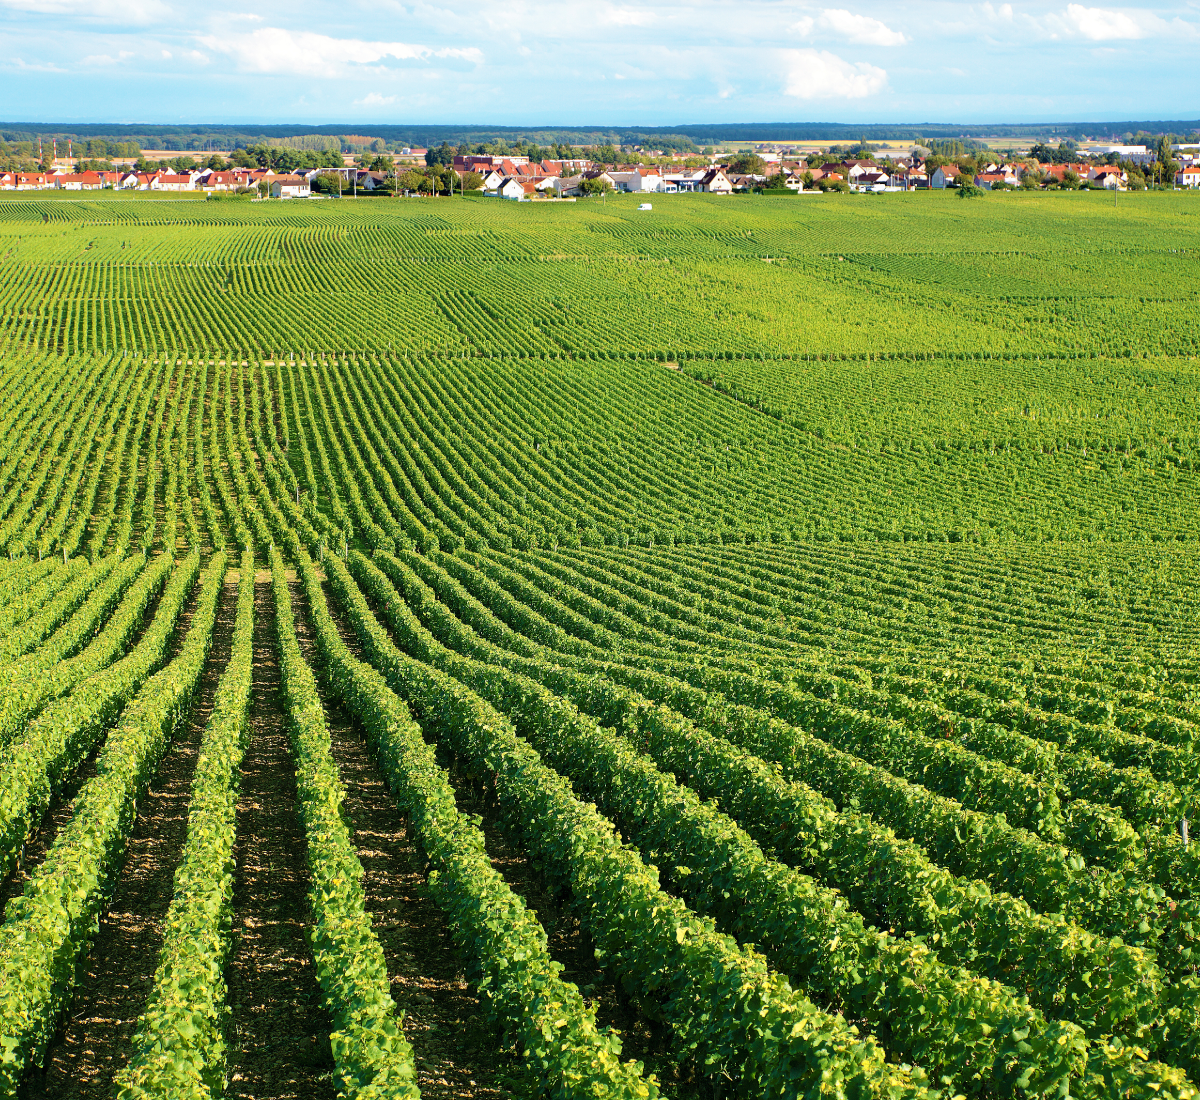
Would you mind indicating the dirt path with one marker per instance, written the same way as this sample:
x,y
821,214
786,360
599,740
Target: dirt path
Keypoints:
x,y
118,973
455,1057
279,1030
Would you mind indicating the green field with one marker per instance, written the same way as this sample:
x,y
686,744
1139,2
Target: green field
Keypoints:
x,y
467,648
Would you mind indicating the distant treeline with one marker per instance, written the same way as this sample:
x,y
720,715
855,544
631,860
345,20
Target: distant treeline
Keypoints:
x,y
682,138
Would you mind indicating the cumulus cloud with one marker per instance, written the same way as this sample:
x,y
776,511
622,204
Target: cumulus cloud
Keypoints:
x,y
819,74
275,50
1103,24
860,28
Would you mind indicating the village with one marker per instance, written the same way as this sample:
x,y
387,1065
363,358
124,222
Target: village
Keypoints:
x,y
522,178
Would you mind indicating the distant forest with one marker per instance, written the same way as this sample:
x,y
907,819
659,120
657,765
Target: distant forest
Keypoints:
x,y
218,138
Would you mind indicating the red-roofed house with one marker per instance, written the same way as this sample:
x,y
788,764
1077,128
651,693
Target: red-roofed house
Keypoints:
x,y
221,181
990,180
1189,177
172,181
79,181
1109,176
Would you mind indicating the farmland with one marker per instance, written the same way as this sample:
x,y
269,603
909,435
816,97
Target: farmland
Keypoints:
x,y
476,649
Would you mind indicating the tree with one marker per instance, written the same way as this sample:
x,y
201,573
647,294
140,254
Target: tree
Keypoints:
x,y
471,181
1070,181
748,164
1031,180
595,186
327,183
968,190
442,155
777,182
411,180
1166,161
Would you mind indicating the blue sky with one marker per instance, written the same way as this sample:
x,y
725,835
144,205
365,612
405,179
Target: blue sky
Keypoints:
x,y
526,62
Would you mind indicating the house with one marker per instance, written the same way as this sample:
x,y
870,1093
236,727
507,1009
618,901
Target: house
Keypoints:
x,y
908,179
944,176
1058,171
855,168
686,180
716,182
874,180
32,181
8,181
990,180
1109,177
220,181
171,181
517,188
79,181
567,185
290,187
1189,177
370,181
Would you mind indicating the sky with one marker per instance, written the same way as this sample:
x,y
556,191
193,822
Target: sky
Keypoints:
x,y
621,63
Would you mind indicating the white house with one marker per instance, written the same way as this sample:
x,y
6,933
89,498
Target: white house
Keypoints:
x,y
511,187
1109,177
1189,177
290,187
171,181
944,176
637,179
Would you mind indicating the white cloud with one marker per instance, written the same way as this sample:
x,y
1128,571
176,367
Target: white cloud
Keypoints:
x,y
374,99
860,28
819,74
627,17
167,55
802,26
1004,12
106,59
274,50
1103,24
98,11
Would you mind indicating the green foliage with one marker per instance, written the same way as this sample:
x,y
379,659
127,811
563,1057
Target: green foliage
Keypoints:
x,y
48,929
179,1048
372,1056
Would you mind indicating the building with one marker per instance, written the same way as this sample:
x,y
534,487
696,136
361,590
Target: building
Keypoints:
x,y
989,181
1109,177
637,179
220,181
1189,177
872,180
944,176
79,181
171,181
290,187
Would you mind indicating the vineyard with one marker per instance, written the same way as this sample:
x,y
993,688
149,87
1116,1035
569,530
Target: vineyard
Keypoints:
x,y
464,649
